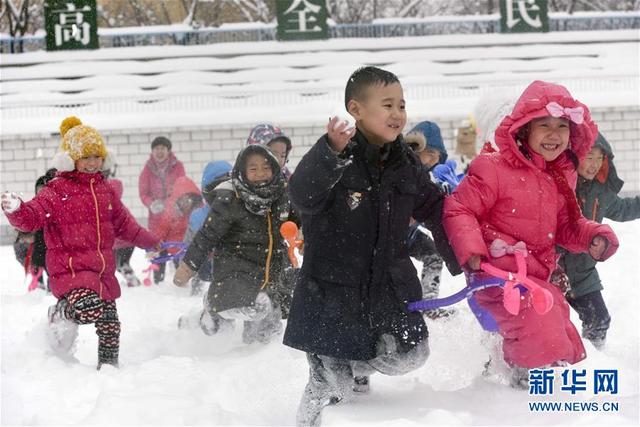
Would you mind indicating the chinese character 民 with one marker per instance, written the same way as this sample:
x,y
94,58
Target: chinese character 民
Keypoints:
x,y
523,11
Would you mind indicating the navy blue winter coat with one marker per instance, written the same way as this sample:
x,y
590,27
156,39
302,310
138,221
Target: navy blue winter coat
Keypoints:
x,y
357,276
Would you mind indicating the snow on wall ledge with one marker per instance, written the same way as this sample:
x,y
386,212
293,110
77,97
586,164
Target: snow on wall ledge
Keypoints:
x,y
24,157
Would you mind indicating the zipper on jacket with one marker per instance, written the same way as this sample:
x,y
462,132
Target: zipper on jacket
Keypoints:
x,y
95,202
595,209
269,252
73,273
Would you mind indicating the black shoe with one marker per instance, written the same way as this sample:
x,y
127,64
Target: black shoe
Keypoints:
x,y
361,384
439,313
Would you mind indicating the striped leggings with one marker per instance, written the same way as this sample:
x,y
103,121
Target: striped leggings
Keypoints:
x,y
84,306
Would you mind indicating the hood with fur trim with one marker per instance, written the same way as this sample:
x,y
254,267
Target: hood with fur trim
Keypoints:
x,y
426,134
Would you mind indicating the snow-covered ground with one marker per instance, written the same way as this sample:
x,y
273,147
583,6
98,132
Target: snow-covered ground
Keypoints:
x,y
176,377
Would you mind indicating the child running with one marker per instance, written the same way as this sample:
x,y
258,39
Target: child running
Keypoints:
x,y
597,191
520,198
242,227
81,216
356,190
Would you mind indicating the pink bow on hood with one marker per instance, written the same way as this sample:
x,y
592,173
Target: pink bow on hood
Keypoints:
x,y
576,115
543,99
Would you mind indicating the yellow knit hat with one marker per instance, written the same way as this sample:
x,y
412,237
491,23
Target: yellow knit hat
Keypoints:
x,y
80,141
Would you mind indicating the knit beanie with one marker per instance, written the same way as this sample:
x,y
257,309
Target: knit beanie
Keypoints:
x,y
161,140
265,133
79,141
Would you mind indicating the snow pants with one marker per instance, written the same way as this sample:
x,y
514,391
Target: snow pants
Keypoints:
x,y
423,248
532,340
594,316
84,306
262,321
331,380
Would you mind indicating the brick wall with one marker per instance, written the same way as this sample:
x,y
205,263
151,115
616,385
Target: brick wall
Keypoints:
x,y
25,157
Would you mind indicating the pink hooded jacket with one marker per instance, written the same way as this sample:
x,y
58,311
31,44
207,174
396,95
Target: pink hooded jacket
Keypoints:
x,y
81,216
509,196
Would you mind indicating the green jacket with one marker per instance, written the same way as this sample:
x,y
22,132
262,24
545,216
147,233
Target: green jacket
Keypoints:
x,y
598,199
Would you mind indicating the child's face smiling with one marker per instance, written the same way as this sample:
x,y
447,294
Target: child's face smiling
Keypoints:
x,y
89,164
549,136
591,164
258,169
381,115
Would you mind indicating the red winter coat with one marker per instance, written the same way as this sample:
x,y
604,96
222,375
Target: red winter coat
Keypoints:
x,y
118,189
509,197
173,224
81,217
155,183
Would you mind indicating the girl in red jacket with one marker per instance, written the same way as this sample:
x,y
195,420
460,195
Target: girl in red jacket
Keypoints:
x,y
184,199
81,217
523,194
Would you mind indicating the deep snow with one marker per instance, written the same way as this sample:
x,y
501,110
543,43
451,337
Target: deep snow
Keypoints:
x,y
176,377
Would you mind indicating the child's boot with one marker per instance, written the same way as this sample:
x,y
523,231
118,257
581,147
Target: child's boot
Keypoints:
x,y
197,286
519,378
129,275
310,409
439,313
361,384
62,332
191,320
265,329
209,323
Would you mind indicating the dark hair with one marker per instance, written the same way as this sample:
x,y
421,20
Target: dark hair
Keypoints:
x,y
48,176
363,78
161,140
111,172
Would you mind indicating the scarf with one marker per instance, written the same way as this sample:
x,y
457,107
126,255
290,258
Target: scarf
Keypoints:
x,y
258,198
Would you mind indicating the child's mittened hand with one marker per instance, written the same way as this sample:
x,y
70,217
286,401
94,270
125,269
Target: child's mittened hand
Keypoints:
x,y
183,274
157,206
155,252
339,133
598,246
474,262
10,202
